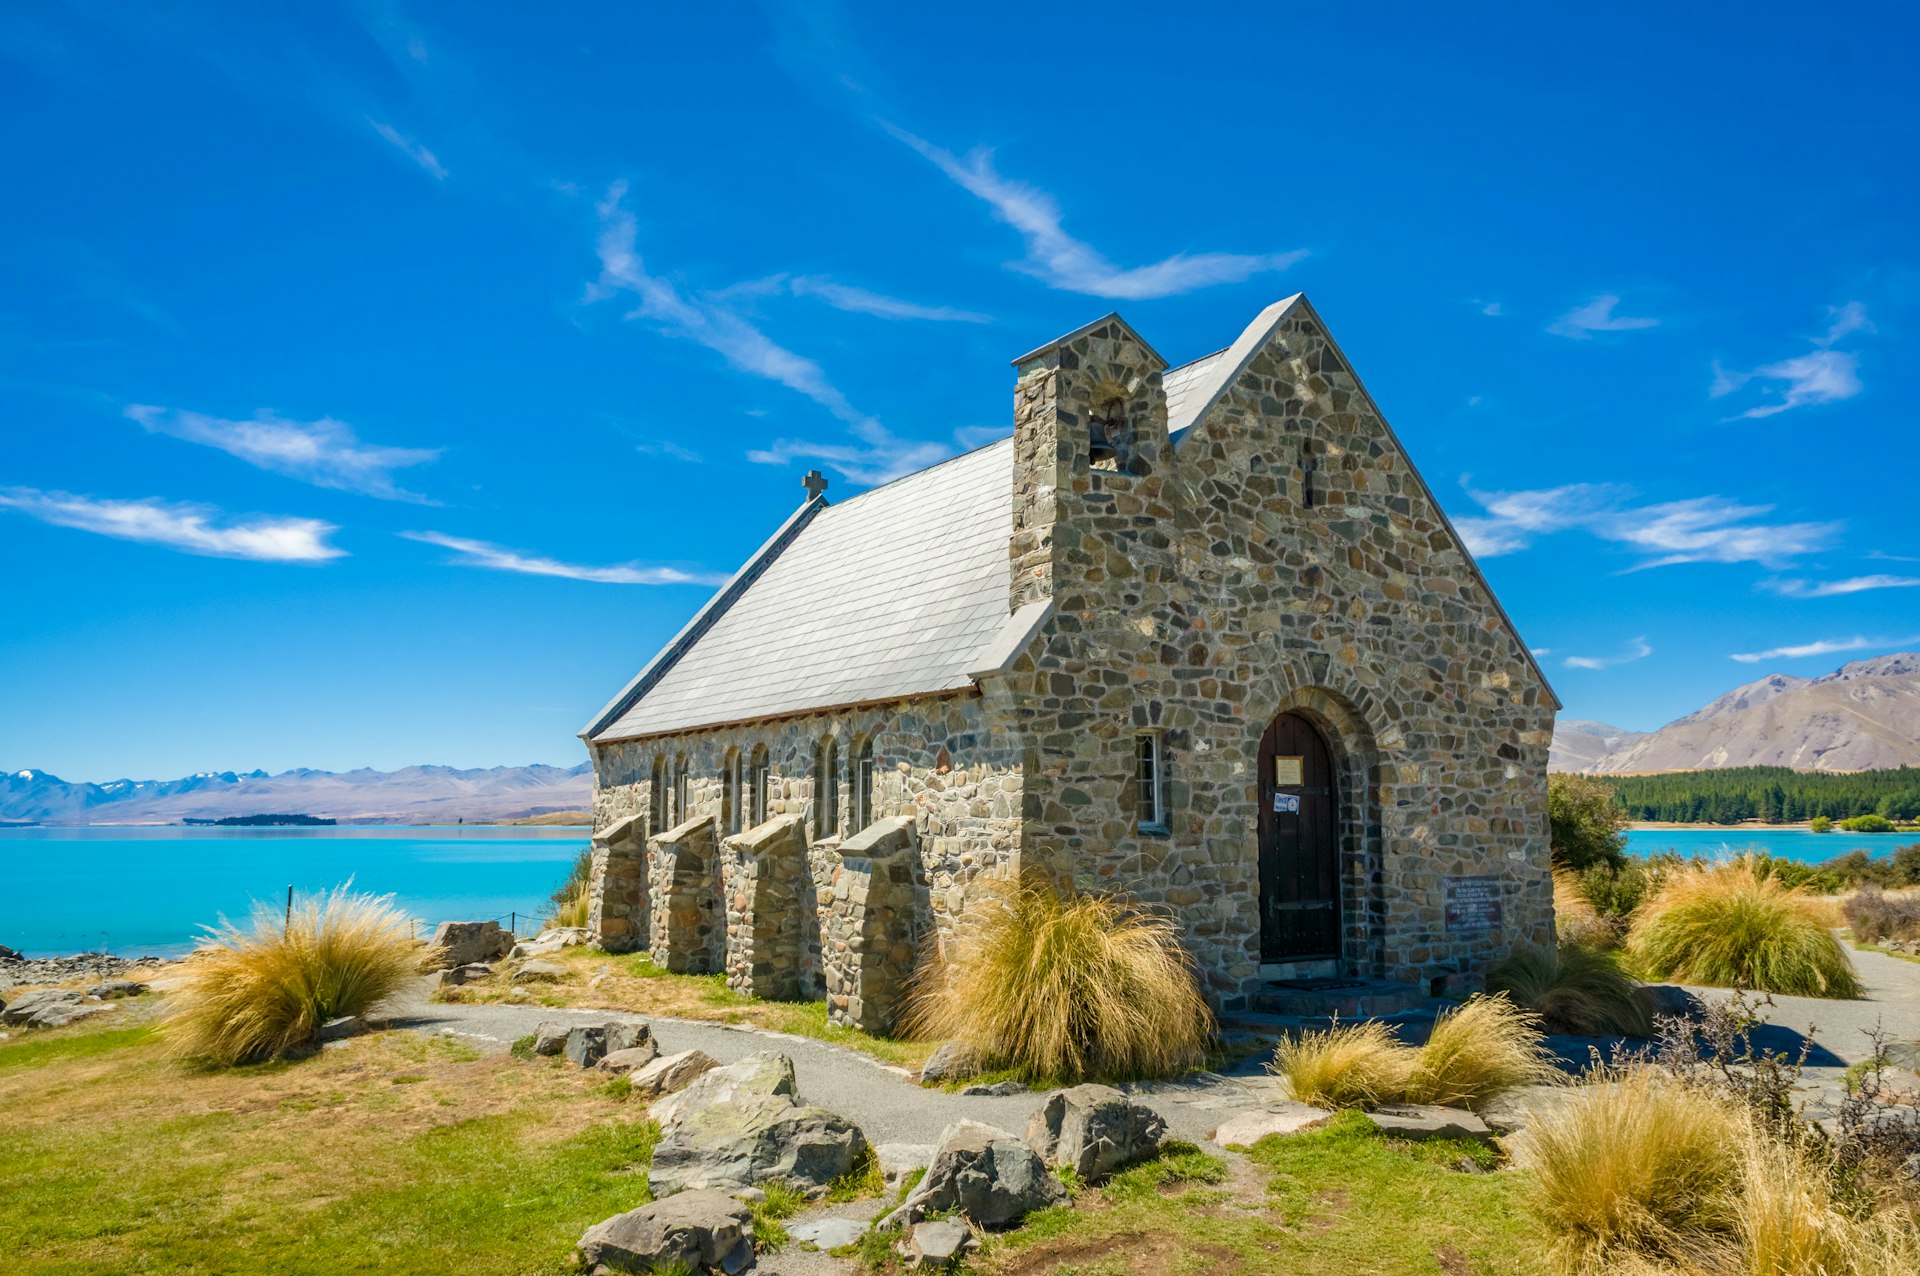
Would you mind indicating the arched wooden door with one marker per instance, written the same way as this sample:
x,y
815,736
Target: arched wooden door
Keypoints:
x,y
1299,844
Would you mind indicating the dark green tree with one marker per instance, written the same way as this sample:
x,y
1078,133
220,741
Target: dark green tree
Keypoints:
x,y
1587,822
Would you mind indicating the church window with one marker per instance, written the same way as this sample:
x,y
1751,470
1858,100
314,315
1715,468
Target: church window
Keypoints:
x,y
826,791
1150,777
680,815
657,796
759,780
863,785
1107,434
731,792
1307,468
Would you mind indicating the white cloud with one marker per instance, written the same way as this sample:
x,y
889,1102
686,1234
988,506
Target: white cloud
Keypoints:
x,y
1823,647
193,529
499,558
1822,375
668,448
325,453
1059,260
1833,588
706,321
1638,649
1491,309
860,301
1703,529
1846,320
411,148
1597,315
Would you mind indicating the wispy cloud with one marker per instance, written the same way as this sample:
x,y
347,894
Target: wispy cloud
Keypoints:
x,y
707,321
1059,260
326,453
1703,529
1638,649
411,148
499,558
862,302
1491,309
1834,588
194,529
667,448
1822,375
1597,315
1822,647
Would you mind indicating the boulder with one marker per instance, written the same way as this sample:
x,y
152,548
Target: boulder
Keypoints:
x,y
951,1062
1517,1109
61,1013
1095,1130
753,1138
937,1245
114,988
552,940
672,1073
629,1036
342,1028
990,1176
472,972
550,1038
586,1044
1418,1122
993,1090
694,1231
762,1073
463,943
1244,1129
897,1160
1672,1001
829,1233
29,1004
10,954
632,1059
539,972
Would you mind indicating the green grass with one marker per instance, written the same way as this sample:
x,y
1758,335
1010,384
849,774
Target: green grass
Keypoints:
x,y
782,1202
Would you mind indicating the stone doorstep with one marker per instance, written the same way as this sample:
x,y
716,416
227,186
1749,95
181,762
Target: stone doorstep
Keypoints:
x,y
1347,998
1247,1026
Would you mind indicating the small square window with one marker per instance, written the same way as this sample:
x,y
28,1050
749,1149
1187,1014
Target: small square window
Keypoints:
x,y
1150,777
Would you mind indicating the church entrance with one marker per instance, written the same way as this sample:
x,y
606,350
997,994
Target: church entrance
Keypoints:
x,y
1299,844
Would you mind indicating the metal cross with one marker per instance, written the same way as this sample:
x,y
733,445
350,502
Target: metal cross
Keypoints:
x,y
816,483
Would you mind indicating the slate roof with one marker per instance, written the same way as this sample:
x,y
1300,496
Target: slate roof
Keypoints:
x,y
892,593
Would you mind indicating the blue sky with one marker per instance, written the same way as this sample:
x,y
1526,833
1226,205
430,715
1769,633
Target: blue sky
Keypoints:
x,y
382,384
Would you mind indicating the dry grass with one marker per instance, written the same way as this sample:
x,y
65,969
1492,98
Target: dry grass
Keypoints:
x,y
1731,925
255,993
1575,919
1639,1171
1479,1051
1054,985
572,911
1575,990
1359,1066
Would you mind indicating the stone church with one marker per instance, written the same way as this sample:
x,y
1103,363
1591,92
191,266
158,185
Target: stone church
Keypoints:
x,y
1200,635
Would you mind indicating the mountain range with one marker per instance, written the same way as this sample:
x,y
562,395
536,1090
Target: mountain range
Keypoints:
x,y
411,795
1863,716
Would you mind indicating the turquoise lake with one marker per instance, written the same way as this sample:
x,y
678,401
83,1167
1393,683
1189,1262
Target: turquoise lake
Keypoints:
x,y
1790,844
147,891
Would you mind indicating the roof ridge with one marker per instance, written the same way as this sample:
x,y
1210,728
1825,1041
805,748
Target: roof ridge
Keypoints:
x,y
913,474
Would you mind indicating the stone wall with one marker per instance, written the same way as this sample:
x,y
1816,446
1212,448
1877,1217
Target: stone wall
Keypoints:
x,y
871,925
772,911
1199,595
617,914
687,930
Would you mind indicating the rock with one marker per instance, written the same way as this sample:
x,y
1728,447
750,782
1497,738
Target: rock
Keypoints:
x,y
539,972
10,954
1517,1108
951,1062
1095,1130
1418,1122
672,1073
1902,1054
1244,1129
632,1059
586,1044
463,943
629,1036
697,1231
762,1073
342,1028
62,1014
830,1233
29,1004
472,972
1672,1000
998,1090
753,1138
550,1038
113,988
987,1174
552,940
937,1245
897,1160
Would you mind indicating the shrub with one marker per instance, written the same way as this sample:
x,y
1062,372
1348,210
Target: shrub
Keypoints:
x,y
1585,819
1730,925
1056,985
1636,1170
1476,1052
1791,1224
1876,917
1358,1066
570,899
1617,892
255,993
1574,989
1868,824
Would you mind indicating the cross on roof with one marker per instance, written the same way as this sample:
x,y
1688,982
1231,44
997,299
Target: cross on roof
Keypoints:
x,y
816,483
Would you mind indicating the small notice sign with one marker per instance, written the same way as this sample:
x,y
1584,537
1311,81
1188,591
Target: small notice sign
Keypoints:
x,y
1286,803
1473,903
1289,771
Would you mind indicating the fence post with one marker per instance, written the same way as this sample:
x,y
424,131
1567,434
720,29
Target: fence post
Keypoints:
x,y
513,924
288,928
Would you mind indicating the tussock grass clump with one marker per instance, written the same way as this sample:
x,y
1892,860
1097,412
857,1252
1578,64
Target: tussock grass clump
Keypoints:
x,y
1732,925
1574,989
572,911
1639,1170
1875,916
1357,1066
254,993
1475,1053
1056,985
1575,918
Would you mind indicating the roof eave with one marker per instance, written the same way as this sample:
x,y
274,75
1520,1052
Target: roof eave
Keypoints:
x,y
1112,316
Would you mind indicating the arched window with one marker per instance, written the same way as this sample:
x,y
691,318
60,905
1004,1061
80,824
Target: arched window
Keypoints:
x,y
680,815
758,781
863,784
730,793
657,796
826,791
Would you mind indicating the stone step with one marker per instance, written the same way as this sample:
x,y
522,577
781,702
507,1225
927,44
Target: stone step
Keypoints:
x,y
1345,998
1246,1027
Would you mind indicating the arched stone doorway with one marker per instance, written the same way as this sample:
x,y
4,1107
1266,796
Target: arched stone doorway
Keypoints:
x,y
1300,825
